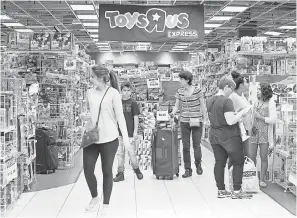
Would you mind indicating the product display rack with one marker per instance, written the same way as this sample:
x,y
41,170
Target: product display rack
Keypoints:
x,y
9,153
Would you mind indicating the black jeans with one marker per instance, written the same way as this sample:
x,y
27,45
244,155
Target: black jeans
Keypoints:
x,y
186,131
232,148
90,155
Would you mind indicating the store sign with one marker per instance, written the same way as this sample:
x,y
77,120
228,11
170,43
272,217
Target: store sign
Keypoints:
x,y
175,77
153,83
69,64
151,24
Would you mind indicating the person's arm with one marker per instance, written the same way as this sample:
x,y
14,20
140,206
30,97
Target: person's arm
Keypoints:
x,y
272,112
118,109
203,108
176,106
135,113
230,115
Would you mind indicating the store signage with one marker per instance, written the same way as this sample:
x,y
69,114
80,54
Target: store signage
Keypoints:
x,y
162,116
153,83
175,76
151,23
69,64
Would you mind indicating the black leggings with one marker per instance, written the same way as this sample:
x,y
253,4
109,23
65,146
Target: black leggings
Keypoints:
x,y
90,155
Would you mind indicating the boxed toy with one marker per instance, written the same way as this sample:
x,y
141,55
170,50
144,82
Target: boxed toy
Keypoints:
x,y
40,41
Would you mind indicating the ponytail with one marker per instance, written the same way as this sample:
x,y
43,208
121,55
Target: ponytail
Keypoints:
x,y
114,81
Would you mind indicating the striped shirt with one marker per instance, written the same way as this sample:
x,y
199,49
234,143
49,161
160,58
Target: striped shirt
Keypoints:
x,y
190,106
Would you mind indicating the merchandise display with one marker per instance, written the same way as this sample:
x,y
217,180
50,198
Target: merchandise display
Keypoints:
x,y
48,49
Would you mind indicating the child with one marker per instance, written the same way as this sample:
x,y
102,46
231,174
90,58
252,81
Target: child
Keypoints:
x,y
131,112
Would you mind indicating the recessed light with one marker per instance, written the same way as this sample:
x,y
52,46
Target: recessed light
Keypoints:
x,y
273,33
234,9
220,18
24,30
102,43
87,17
4,17
92,30
212,25
82,7
94,35
12,24
287,27
90,24
207,31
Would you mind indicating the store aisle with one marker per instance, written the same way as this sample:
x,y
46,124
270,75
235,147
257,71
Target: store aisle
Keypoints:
x,y
195,197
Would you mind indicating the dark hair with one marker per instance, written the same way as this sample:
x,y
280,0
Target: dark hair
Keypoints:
x,y
108,76
226,81
238,79
266,92
126,84
186,75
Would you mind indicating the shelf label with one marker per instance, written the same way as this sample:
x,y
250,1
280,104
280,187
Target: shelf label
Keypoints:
x,y
175,77
153,83
11,172
287,107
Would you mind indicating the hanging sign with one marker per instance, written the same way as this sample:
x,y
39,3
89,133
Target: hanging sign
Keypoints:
x,y
175,77
151,23
153,83
162,116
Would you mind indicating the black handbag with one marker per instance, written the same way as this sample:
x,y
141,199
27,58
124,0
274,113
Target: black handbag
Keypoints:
x,y
92,136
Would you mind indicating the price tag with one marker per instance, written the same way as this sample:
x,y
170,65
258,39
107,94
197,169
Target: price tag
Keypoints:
x,y
69,64
175,77
162,116
11,172
153,83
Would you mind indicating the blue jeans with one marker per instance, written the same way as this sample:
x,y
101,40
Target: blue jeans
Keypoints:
x,y
186,131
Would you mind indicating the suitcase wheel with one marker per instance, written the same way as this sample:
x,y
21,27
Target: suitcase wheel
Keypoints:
x,y
170,178
177,175
157,177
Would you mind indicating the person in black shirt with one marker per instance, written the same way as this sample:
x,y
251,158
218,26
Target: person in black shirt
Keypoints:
x,y
131,113
225,138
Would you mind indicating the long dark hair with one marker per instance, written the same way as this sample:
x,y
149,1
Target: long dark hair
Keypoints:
x,y
114,83
238,79
266,92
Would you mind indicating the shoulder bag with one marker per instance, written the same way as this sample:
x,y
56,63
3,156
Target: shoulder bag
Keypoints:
x,y
91,137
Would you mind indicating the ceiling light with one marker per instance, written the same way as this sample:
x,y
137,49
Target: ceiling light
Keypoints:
x,y
4,17
94,35
219,18
212,25
82,7
87,17
273,33
90,24
12,24
102,43
95,40
207,31
287,27
92,30
234,9
24,30
181,47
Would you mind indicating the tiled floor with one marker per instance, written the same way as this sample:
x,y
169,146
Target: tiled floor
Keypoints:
x,y
149,198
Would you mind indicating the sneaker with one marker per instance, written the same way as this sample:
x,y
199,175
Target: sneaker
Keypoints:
x,y
224,194
188,173
199,169
240,195
139,175
104,210
92,204
119,177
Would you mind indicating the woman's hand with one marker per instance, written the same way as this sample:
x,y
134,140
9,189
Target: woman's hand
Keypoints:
x,y
89,126
85,117
258,116
126,142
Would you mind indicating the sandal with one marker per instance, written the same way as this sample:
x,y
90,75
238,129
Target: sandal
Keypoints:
x,y
263,184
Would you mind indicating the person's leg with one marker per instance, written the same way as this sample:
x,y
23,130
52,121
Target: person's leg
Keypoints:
x,y
264,148
130,149
121,153
108,152
221,156
90,156
186,134
234,148
253,150
196,137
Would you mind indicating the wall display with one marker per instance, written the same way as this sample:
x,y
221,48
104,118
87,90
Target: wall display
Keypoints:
x,y
40,41
62,41
151,23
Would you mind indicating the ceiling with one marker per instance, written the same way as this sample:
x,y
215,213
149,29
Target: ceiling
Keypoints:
x,y
41,15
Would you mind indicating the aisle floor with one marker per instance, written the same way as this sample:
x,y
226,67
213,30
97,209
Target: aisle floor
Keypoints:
x,y
193,197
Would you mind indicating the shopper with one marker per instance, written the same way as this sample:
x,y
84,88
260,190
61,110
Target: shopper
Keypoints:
x,y
262,131
225,138
131,112
190,101
111,117
240,102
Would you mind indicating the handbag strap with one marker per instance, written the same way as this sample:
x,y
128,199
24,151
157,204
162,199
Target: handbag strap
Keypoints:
x,y
100,107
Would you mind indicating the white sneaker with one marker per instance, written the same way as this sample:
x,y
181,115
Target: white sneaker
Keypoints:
x,y
104,209
92,204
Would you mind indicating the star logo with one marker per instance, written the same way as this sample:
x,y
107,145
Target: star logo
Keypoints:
x,y
156,17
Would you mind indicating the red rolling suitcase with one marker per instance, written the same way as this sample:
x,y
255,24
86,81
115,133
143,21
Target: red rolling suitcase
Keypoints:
x,y
165,154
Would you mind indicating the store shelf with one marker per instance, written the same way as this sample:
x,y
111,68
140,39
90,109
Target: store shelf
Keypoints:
x,y
283,153
8,129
